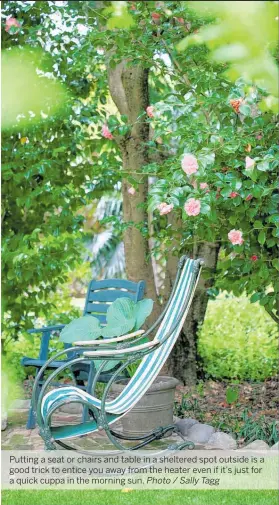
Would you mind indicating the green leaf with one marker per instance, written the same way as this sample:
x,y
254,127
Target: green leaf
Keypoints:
x,y
142,310
245,109
123,129
231,395
255,297
83,328
275,263
124,315
263,166
274,219
109,366
258,224
121,18
205,208
116,330
271,242
120,318
261,237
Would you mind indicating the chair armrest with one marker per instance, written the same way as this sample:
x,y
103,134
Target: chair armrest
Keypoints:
x,y
110,340
44,329
148,346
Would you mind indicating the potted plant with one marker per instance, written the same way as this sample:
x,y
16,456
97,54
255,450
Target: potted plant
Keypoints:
x,y
154,409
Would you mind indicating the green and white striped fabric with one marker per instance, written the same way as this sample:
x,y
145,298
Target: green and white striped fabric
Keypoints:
x,y
146,373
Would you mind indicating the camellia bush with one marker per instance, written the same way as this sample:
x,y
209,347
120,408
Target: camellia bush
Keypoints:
x,y
224,184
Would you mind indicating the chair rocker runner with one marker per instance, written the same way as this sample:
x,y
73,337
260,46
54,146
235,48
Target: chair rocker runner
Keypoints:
x,y
153,355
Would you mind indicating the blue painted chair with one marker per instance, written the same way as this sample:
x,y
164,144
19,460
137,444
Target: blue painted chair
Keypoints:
x,y
99,296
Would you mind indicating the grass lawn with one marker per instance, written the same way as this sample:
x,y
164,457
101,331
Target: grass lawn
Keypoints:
x,y
192,497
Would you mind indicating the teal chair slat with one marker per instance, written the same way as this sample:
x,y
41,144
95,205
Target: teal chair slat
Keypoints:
x,y
110,290
115,283
40,362
105,295
98,308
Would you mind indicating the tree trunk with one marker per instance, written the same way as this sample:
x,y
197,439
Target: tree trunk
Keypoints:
x,y
185,363
129,91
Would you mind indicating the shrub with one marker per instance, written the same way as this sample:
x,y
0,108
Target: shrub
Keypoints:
x,y
29,344
238,340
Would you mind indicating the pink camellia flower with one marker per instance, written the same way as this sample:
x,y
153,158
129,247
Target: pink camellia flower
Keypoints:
x,y
165,208
249,162
189,164
235,237
106,132
192,207
203,185
254,257
150,111
12,22
131,191
233,194
249,197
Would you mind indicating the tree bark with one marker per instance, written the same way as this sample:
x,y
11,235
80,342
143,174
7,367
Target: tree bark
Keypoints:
x,y
185,363
129,91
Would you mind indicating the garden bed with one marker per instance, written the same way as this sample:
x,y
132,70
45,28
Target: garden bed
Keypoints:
x,y
252,415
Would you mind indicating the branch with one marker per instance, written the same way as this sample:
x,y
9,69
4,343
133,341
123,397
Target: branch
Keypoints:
x,y
177,65
116,87
158,157
272,315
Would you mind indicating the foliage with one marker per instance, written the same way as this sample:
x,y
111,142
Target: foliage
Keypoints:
x,y
233,39
106,249
123,316
248,428
259,429
44,179
29,344
245,427
10,385
251,415
132,368
83,328
23,90
238,340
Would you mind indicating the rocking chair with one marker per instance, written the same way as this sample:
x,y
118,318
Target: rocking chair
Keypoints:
x,y
153,354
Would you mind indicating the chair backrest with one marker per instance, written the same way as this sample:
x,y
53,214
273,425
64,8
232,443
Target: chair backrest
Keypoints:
x,y
152,363
101,294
